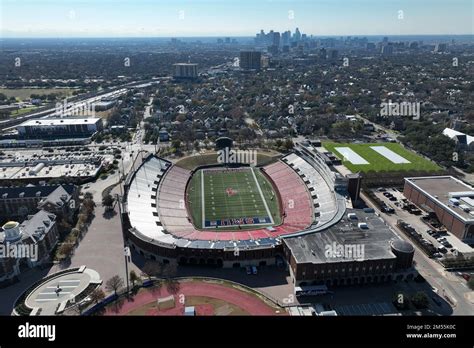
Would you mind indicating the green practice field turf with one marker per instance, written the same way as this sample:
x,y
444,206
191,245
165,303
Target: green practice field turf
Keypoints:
x,y
232,198
378,163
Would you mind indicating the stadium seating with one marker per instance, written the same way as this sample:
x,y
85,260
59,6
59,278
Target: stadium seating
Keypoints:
x,y
141,197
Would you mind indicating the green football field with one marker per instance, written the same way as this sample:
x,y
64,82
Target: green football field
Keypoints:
x,y
378,163
229,198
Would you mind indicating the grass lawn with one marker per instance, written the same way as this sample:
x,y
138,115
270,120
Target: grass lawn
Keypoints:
x,y
378,163
230,198
25,93
22,111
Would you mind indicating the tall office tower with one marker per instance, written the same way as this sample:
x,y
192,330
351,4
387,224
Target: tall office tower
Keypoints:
x,y
441,47
370,46
286,38
250,60
322,53
333,54
387,50
185,71
297,35
276,39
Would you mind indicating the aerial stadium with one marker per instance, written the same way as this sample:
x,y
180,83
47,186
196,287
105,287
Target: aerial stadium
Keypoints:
x,y
239,214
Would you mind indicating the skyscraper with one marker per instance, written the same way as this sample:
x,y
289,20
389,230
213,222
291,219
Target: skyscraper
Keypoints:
x,y
297,35
185,71
250,60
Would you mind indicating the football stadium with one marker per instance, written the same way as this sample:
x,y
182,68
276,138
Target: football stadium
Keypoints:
x,y
287,209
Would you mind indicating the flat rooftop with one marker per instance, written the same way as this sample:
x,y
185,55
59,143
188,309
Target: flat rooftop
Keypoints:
x,y
375,240
60,121
442,188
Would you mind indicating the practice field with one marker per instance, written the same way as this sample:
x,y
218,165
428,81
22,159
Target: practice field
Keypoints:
x,y
380,157
221,198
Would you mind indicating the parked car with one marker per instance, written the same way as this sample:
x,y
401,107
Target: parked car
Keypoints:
x,y
437,301
254,270
447,244
442,250
249,270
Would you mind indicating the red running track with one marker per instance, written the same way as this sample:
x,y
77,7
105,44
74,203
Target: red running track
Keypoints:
x,y
247,302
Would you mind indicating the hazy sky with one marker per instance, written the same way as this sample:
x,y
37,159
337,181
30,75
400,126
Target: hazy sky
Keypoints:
x,y
151,18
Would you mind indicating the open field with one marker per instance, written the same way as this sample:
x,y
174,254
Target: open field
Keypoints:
x,y
232,198
377,162
25,93
23,111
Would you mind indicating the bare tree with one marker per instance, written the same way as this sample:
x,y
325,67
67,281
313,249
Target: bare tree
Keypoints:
x,y
170,270
114,283
172,286
97,295
152,269
134,277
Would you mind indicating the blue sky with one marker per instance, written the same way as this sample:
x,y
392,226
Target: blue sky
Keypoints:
x,y
154,18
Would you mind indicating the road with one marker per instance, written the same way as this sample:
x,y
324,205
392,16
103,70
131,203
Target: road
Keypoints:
x,y
433,272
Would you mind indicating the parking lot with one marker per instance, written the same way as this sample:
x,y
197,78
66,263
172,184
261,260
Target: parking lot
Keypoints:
x,y
380,308
442,240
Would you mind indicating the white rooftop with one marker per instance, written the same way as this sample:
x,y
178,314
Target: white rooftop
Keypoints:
x,y
60,121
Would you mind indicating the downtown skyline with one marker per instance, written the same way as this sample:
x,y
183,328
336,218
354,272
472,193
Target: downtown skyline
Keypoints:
x,y
184,18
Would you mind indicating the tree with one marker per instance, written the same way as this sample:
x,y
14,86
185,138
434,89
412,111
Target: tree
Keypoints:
x,y
176,144
114,283
108,201
470,283
97,295
65,249
152,269
170,270
134,277
172,285
420,300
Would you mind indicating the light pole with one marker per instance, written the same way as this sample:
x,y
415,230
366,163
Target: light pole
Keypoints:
x,y
127,254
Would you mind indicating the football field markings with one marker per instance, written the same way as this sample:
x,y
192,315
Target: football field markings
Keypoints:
x,y
203,201
261,195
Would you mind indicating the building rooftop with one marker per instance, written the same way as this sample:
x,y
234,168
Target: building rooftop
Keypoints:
x,y
37,225
375,240
34,191
60,121
442,189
